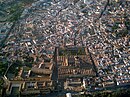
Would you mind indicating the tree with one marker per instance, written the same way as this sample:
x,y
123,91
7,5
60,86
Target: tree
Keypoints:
x,y
3,67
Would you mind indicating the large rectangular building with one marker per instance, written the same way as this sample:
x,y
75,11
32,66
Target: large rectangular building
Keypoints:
x,y
74,62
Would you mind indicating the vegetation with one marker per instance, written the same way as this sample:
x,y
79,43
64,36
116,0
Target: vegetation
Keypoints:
x,y
14,69
28,61
1,83
75,51
15,12
117,93
3,67
11,12
121,33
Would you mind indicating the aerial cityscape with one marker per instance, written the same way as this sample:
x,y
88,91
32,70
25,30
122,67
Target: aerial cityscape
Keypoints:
x,y
65,48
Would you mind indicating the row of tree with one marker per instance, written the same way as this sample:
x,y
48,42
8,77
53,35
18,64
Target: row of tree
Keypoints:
x,y
117,93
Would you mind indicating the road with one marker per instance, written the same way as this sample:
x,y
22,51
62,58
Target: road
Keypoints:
x,y
8,68
7,35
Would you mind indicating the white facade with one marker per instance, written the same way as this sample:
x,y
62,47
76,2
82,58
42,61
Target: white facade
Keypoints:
x,y
68,95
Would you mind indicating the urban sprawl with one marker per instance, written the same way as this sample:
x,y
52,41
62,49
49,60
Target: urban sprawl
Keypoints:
x,y
68,46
